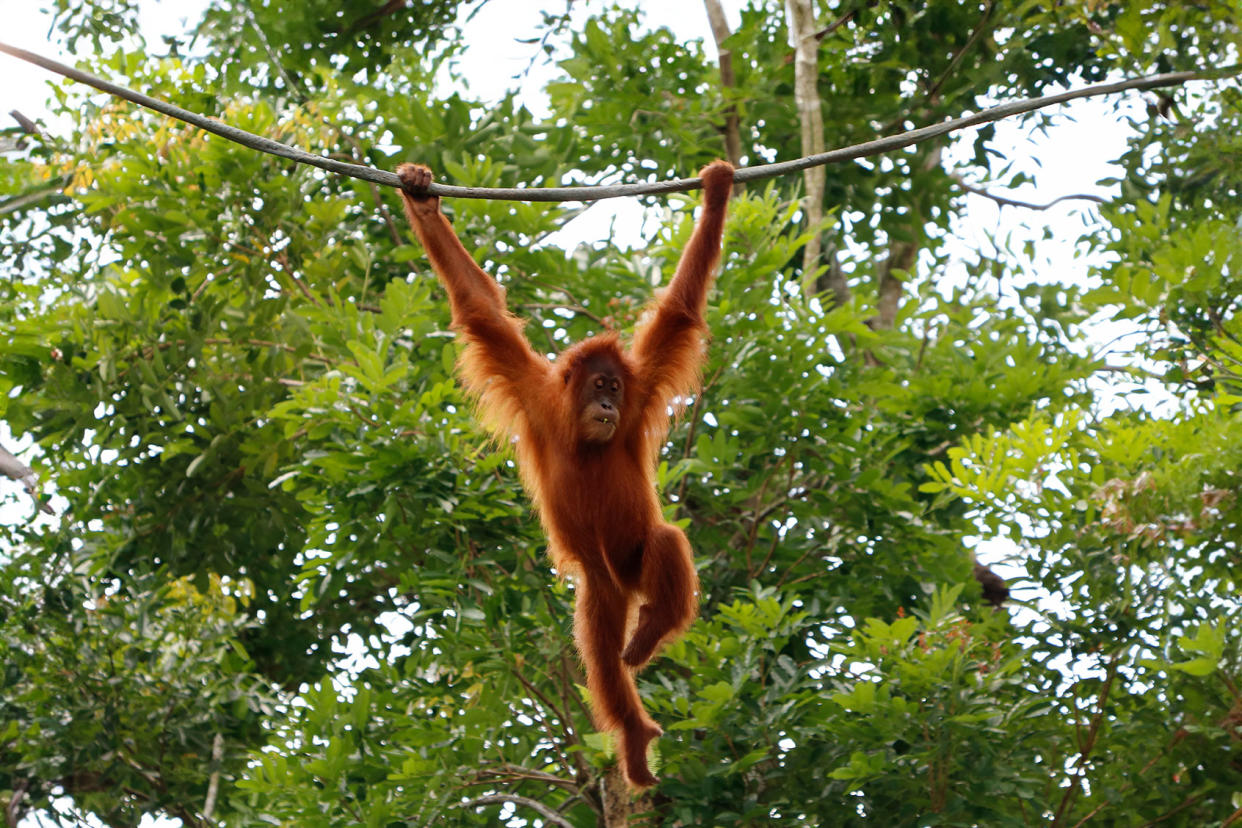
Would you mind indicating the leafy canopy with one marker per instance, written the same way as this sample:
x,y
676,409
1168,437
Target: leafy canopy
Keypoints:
x,y
293,583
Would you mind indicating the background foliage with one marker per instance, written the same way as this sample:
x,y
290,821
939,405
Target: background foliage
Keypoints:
x,y
293,584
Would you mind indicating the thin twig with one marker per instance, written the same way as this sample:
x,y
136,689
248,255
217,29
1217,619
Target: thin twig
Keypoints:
x,y
1186,803
271,54
507,772
836,24
1005,201
357,154
694,421
1177,736
680,185
975,35
566,722
1087,741
567,736
538,807
18,202
574,309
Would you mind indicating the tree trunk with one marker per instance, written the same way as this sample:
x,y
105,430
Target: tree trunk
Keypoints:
x,y
800,18
620,805
720,31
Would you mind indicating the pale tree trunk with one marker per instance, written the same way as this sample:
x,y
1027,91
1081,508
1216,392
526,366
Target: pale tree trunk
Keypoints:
x,y
800,18
720,31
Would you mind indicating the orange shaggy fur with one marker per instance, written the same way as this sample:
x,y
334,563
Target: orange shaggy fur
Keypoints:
x,y
596,499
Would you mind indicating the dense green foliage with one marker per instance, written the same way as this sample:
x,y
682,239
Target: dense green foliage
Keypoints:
x,y
293,583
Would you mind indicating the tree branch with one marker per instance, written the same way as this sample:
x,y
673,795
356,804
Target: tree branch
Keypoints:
x,y
28,126
19,202
1004,201
508,772
544,811
975,35
836,24
292,86
679,185
1087,744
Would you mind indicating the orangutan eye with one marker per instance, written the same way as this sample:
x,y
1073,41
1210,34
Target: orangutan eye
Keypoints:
x,y
599,382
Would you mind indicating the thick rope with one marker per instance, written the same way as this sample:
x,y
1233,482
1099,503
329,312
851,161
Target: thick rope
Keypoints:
x,y
745,174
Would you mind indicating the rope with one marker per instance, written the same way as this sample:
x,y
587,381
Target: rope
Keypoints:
x,y
679,185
